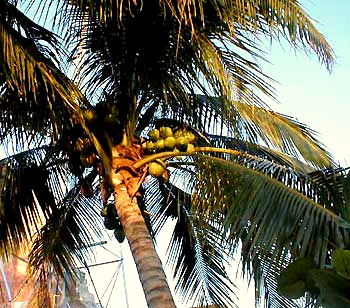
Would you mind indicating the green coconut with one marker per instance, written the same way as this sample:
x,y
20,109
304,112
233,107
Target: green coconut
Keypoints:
x,y
160,145
170,143
182,143
90,115
75,165
111,122
150,147
156,169
165,132
154,135
110,223
190,137
119,234
179,133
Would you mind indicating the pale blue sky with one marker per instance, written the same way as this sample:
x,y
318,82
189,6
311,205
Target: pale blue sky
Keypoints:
x,y
307,91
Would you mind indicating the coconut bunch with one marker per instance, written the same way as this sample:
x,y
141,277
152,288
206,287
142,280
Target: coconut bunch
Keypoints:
x,y
165,139
112,222
103,121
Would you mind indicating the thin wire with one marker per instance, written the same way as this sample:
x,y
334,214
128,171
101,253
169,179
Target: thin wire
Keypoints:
x,y
99,264
115,280
124,277
93,284
115,274
111,252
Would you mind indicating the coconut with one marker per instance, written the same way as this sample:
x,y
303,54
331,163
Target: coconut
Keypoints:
x,y
160,145
170,143
110,223
182,143
119,234
111,122
156,169
90,115
154,135
165,132
150,147
190,137
179,133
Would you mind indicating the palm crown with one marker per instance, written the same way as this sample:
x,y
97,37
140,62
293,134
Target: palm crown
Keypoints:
x,y
253,176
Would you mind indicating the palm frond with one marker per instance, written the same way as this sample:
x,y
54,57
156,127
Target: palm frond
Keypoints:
x,y
274,211
28,56
331,188
198,263
273,18
65,236
42,296
258,151
262,126
24,203
266,272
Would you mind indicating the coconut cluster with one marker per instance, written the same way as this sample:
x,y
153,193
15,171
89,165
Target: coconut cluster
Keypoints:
x,y
112,222
103,122
165,139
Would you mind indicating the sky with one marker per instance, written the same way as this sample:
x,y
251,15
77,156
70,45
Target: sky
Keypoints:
x,y
306,91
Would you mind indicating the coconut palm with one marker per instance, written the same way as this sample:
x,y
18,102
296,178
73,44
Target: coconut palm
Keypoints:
x,y
189,66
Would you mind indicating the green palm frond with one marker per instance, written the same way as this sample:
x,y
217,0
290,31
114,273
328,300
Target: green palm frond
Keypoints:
x,y
258,151
262,126
62,244
24,203
266,272
276,214
273,18
273,211
26,122
65,235
28,57
284,134
331,187
194,255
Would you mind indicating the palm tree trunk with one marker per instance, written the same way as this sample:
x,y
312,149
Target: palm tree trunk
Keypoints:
x,y
149,267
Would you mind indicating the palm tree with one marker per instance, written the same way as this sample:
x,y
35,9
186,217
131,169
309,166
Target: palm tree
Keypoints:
x,y
186,65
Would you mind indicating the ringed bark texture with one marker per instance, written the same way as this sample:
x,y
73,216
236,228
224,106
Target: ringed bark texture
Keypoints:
x,y
149,267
